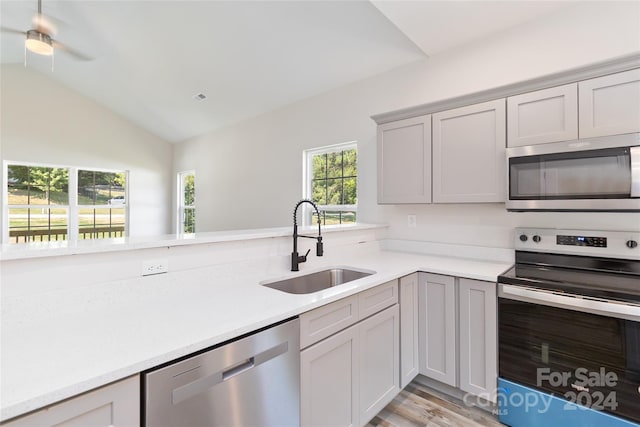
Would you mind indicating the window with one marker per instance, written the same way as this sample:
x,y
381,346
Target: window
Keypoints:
x,y
46,203
186,202
101,204
331,182
38,203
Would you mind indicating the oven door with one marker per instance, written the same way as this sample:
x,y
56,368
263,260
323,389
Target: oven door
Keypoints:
x,y
583,350
599,175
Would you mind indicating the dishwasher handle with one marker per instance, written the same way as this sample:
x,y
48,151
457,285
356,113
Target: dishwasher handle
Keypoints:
x,y
203,384
238,369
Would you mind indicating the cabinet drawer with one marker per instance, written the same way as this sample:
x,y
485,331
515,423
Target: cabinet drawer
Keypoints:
x,y
327,320
377,299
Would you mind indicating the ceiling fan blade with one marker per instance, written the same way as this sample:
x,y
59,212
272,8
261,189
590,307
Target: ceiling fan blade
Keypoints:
x,y
45,24
12,31
77,54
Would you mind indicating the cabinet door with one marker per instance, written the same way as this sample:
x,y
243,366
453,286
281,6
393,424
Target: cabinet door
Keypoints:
x,y
114,405
409,355
543,116
469,158
478,335
404,161
379,365
329,381
437,311
610,105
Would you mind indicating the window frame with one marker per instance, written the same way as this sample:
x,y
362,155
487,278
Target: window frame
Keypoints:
x,y
307,180
181,206
72,206
74,171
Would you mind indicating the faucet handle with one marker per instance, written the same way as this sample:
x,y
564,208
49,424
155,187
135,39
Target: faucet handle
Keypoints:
x,y
303,258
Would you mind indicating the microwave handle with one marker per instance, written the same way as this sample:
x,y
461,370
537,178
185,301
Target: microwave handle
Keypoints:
x,y
635,171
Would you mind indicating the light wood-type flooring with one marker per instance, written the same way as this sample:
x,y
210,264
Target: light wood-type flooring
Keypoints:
x,y
417,405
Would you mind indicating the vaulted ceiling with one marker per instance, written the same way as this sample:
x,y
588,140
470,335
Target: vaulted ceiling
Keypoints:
x,y
150,58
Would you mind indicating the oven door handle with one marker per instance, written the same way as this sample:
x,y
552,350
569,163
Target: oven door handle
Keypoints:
x,y
587,305
635,171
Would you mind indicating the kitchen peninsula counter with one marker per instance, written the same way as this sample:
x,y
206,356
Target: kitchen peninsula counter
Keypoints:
x,y
61,341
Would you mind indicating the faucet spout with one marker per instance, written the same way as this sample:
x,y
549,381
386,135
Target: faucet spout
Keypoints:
x,y
296,259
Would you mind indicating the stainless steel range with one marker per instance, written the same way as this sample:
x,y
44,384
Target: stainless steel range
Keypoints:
x,y
569,329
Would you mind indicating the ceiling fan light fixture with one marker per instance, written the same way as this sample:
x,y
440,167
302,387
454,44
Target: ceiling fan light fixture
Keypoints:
x,y
39,43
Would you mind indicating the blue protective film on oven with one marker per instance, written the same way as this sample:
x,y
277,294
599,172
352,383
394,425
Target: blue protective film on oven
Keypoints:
x,y
520,406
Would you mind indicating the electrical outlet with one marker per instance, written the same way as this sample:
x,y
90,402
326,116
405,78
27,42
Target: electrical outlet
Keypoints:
x,y
411,221
155,266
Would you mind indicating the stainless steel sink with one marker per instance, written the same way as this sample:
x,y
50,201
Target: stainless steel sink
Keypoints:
x,y
318,281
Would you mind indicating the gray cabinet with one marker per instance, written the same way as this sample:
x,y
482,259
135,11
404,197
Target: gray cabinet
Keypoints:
x,y
610,105
327,320
379,362
329,383
543,116
478,338
437,317
469,153
404,161
409,354
458,333
114,405
348,376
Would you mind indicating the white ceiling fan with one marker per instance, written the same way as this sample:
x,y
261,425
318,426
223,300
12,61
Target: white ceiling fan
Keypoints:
x,y
39,39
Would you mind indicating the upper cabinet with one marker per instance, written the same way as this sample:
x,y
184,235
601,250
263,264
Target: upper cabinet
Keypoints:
x,y
454,150
404,161
469,153
548,115
603,106
610,105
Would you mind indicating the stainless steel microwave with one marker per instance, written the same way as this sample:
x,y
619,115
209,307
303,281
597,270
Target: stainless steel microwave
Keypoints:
x,y
595,174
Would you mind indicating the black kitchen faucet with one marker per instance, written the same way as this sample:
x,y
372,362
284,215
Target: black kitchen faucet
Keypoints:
x,y
295,258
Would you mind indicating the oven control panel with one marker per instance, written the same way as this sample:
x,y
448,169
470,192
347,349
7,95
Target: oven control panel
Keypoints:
x,y
598,242
607,244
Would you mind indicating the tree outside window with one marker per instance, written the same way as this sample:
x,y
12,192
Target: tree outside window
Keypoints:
x,y
44,204
187,202
38,203
332,182
101,203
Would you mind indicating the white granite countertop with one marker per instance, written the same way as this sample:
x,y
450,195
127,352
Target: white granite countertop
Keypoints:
x,y
73,341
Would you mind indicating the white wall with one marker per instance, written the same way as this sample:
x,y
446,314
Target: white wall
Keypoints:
x,y
249,175
45,122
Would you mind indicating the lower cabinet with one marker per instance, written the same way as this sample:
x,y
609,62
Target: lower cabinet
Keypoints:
x,y
409,331
437,316
329,381
478,338
114,405
458,333
347,378
379,362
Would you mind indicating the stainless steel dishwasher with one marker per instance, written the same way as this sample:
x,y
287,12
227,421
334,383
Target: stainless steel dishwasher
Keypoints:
x,y
252,381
